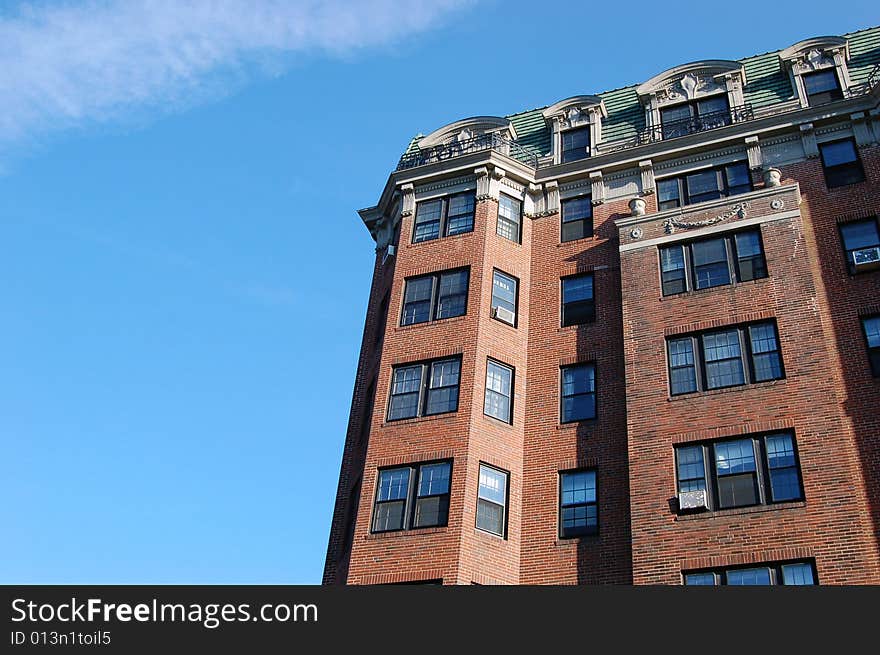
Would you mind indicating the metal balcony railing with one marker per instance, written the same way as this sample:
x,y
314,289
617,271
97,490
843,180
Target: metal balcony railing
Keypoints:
x,y
683,127
491,141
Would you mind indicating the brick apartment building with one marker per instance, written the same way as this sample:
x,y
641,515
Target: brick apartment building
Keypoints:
x,y
630,338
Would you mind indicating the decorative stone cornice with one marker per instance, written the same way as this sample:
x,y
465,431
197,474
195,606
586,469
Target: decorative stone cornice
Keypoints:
x,y
468,128
815,53
693,80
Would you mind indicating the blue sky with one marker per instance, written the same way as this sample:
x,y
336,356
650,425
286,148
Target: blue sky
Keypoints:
x,y
184,277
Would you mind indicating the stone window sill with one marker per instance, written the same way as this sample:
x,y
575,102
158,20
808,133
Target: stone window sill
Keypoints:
x,y
737,511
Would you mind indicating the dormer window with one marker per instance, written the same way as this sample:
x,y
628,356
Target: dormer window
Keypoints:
x,y
822,87
576,127
818,69
693,98
575,144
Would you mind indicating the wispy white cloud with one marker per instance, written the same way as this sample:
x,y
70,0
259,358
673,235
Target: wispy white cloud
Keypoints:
x,y
65,64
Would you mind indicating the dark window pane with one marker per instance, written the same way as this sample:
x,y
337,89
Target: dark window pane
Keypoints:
x,y
443,387
838,152
683,375
691,471
577,218
750,257
578,488
872,331
575,144
702,186
797,574
710,263
578,393
578,511
722,355
822,87
578,305
738,179
490,517
498,391
417,300
784,478
765,352
428,220
860,234
668,194
714,105
672,270
389,516
749,577
434,479
452,300
405,388
393,484
431,512
735,470
699,579
460,214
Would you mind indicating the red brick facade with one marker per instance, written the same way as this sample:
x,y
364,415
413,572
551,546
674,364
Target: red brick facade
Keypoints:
x,y
828,399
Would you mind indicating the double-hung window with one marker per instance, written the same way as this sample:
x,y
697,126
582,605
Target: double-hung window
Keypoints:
x,y
724,358
504,297
415,496
444,216
841,163
871,326
821,87
696,116
712,262
577,218
783,573
509,218
578,401
578,506
492,500
578,302
707,184
758,470
575,144
432,297
861,242
424,389
499,391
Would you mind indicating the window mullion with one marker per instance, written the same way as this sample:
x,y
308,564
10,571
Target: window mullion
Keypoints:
x,y
410,506
745,348
435,297
760,469
423,388
708,476
700,363
732,258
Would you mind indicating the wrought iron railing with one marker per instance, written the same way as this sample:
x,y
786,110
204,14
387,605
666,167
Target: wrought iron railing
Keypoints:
x,y
491,141
683,127
865,87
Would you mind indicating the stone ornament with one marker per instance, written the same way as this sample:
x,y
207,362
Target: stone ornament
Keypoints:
x,y
777,204
636,233
738,210
637,207
772,177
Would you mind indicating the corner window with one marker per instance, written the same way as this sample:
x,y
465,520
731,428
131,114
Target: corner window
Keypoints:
x,y
432,297
759,470
424,389
861,244
841,164
415,496
504,297
578,303
712,262
492,500
499,391
821,87
786,573
724,358
578,508
509,218
700,186
871,327
577,218
578,393
575,144
696,116
444,216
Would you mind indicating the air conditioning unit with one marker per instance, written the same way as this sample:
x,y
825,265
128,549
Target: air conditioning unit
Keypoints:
x,y
866,258
390,251
690,500
504,314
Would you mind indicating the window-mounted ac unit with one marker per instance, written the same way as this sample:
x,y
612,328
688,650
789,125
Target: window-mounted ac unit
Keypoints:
x,y
866,258
504,314
390,251
688,500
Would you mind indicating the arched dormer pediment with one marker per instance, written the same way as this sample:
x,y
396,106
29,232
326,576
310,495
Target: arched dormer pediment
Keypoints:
x,y
690,81
469,128
582,114
817,68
